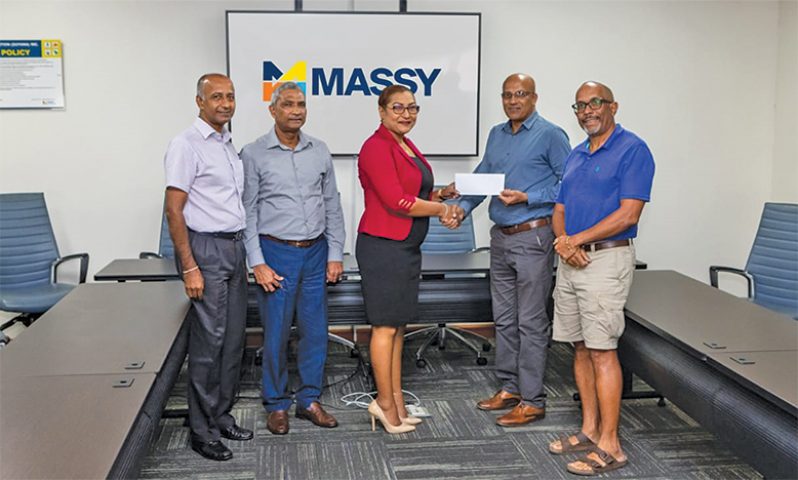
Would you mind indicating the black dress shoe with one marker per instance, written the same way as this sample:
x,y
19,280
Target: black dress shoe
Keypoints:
x,y
237,433
212,450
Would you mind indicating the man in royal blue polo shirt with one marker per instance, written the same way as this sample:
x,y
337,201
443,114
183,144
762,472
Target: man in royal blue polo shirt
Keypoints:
x,y
529,150
606,182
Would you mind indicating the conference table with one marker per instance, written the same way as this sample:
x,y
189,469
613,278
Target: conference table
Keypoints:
x,y
101,328
158,269
705,320
448,264
67,426
138,269
83,388
730,364
772,374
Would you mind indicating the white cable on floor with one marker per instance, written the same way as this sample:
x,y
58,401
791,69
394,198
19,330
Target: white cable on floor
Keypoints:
x,y
356,399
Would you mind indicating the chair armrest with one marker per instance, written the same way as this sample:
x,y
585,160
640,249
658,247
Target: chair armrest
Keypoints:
x,y
84,266
144,255
713,276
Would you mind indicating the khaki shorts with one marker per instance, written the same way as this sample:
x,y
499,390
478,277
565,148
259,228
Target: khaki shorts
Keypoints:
x,y
588,302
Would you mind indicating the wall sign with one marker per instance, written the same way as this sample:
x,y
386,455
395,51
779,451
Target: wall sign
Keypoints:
x,y
31,74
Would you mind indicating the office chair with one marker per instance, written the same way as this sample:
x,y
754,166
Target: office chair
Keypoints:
x,y
441,240
165,247
772,268
29,258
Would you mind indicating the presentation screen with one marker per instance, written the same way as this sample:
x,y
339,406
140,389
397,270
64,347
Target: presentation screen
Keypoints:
x,y
342,61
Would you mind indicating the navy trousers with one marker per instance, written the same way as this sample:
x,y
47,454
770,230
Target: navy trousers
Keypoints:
x,y
304,295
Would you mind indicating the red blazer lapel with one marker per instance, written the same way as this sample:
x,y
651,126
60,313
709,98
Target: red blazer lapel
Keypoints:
x,y
384,133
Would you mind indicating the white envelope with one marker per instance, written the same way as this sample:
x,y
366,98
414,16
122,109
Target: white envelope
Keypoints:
x,y
479,183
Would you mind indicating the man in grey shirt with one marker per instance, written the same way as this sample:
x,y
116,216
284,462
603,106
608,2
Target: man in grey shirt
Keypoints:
x,y
294,240
204,184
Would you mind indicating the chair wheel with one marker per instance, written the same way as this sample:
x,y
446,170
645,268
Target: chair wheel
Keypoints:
x,y
482,361
442,346
661,402
421,363
354,353
486,347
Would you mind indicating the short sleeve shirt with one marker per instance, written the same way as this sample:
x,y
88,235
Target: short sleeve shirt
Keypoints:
x,y
203,163
594,184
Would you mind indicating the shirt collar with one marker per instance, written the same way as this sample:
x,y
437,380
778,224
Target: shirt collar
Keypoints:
x,y
206,130
271,141
530,120
585,146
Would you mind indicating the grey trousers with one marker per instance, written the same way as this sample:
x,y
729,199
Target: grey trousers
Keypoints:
x,y
521,268
216,334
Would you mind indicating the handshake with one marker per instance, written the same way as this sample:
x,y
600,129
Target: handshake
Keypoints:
x,y
452,215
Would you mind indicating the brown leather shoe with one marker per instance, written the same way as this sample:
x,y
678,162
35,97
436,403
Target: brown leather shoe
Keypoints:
x,y
317,415
277,422
521,415
499,401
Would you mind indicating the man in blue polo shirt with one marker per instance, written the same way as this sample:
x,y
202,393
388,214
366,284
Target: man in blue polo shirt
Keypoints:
x,y
606,183
529,151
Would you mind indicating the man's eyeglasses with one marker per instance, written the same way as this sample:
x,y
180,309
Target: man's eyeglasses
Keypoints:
x,y
594,103
399,109
516,94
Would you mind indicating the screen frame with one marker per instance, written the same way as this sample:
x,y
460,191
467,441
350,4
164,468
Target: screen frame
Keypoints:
x,y
475,150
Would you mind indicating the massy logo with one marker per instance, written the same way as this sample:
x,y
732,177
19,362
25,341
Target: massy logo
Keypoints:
x,y
273,77
337,81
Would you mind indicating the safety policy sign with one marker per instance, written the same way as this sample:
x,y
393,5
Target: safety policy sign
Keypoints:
x,y
31,74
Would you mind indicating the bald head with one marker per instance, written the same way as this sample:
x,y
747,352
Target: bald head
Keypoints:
x,y
595,110
216,99
208,78
527,82
603,90
518,98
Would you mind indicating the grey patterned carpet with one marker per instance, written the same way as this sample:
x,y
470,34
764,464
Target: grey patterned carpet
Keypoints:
x,y
458,442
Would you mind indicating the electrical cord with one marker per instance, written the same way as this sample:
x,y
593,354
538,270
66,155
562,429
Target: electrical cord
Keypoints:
x,y
359,367
359,400
356,399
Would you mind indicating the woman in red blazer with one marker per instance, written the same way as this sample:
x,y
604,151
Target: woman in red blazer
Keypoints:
x,y
398,188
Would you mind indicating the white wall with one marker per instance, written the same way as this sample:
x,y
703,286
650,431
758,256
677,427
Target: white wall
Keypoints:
x,y
785,159
697,80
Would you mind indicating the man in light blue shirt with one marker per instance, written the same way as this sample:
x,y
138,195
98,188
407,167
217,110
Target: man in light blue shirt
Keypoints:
x,y
529,151
204,184
295,241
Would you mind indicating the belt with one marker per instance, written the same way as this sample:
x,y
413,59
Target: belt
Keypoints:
x,y
595,247
295,243
225,235
525,227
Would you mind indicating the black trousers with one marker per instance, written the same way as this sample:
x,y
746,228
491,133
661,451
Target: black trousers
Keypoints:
x,y
216,334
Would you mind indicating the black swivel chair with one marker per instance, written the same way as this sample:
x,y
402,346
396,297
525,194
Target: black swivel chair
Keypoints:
x,y
441,240
29,258
772,267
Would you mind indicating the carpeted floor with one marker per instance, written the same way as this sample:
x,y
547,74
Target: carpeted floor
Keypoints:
x,y
458,442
